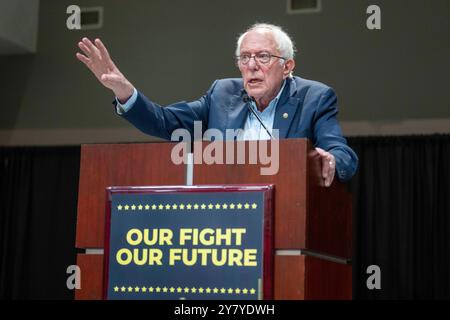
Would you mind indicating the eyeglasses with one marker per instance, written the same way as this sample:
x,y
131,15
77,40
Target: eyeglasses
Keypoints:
x,y
260,57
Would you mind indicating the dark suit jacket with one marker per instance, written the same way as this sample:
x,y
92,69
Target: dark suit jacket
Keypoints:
x,y
311,107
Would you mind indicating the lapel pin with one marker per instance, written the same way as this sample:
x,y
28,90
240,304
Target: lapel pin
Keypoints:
x,y
285,115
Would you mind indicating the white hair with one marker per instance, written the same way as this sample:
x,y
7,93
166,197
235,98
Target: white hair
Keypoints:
x,y
285,45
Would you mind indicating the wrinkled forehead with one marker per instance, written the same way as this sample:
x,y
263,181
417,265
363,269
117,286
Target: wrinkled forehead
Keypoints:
x,y
259,40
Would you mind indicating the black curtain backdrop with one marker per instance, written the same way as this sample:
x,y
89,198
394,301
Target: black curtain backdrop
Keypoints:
x,y
400,206
38,199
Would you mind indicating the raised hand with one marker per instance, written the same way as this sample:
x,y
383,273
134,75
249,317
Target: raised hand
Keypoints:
x,y
97,59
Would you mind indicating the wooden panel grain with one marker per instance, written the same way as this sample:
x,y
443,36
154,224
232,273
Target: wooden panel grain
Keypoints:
x,y
327,280
104,165
308,215
301,277
329,216
290,185
289,280
91,267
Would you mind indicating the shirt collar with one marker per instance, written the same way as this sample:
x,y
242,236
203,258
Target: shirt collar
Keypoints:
x,y
272,103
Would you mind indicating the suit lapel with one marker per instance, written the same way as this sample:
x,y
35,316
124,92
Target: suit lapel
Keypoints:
x,y
286,109
237,113
284,114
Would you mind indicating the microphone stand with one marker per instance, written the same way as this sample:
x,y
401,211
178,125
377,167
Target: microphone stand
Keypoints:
x,y
247,99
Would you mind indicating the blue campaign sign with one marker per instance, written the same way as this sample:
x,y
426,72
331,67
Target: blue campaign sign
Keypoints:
x,y
193,243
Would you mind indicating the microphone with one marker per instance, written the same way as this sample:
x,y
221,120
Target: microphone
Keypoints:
x,y
248,99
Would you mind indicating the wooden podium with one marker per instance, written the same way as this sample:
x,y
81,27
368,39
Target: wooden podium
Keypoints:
x,y
313,229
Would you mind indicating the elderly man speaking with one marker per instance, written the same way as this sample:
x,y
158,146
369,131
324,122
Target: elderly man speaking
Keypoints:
x,y
265,56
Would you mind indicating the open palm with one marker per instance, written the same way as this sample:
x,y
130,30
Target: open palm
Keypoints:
x,y
98,60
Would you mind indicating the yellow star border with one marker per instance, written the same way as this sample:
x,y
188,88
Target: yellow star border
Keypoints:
x,y
172,289
141,207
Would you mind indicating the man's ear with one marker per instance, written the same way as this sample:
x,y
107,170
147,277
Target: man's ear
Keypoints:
x,y
289,65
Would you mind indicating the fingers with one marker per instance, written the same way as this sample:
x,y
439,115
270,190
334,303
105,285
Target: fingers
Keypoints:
x,y
98,55
83,59
321,151
325,162
328,166
102,48
92,49
325,168
331,164
105,54
97,47
97,59
87,43
84,48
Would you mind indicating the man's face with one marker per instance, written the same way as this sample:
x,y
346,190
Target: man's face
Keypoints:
x,y
262,81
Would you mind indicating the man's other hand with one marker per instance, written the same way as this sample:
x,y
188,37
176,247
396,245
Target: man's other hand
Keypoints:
x,y
97,59
328,166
